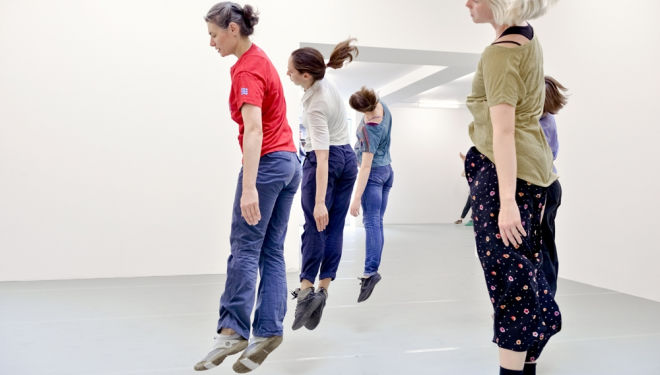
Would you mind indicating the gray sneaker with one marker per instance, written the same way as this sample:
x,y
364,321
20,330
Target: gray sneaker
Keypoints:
x,y
367,285
305,306
256,353
314,319
223,346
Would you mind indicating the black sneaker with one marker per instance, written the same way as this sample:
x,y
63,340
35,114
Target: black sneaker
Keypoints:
x,y
367,285
314,319
305,306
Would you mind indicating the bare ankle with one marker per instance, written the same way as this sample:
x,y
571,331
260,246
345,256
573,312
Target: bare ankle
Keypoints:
x,y
227,331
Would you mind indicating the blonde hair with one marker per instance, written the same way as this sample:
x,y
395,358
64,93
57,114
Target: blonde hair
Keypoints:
x,y
512,12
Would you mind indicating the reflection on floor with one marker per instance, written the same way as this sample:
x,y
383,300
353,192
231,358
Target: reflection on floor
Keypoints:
x,y
429,315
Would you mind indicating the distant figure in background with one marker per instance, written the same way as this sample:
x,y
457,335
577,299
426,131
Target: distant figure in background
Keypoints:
x,y
554,102
468,204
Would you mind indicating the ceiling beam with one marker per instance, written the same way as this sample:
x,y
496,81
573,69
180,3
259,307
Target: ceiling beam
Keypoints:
x,y
404,56
436,68
432,81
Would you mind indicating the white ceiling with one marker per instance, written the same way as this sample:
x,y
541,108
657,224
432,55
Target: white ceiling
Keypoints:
x,y
406,77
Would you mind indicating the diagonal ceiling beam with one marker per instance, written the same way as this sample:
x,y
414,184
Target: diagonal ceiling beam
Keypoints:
x,y
434,80
405,56
427,77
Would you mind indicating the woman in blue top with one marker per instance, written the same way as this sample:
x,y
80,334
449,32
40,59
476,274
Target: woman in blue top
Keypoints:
x,y
374,180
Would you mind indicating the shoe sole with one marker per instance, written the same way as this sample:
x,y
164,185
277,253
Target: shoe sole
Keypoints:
x,y
370,290
216,361
258,356
297,324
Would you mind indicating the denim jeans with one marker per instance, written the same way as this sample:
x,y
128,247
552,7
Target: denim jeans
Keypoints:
x,y
374,203
321,251
260,247
548,246
467,207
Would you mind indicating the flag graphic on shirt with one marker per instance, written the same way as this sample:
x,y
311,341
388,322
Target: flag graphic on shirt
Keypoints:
x,y
244,91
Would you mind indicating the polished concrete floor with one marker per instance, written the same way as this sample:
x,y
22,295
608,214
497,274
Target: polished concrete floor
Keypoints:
x,y
429,315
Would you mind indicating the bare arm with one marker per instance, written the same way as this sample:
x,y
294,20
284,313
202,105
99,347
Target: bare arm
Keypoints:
x,y
320,210
319,133
504,149
362,179
252,139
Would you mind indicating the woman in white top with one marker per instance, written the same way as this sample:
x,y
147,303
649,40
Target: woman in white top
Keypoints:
x,y
329,173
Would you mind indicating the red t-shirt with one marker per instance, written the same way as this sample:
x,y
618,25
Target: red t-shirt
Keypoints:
x,y
255,81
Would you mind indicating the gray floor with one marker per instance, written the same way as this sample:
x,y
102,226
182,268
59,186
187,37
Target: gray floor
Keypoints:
x,y
429,315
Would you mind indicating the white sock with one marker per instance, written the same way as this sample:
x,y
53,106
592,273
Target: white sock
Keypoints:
x,y
233,336
257,339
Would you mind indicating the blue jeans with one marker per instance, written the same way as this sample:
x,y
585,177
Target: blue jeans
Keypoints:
x,y
374,203
260,247
322,250
548,246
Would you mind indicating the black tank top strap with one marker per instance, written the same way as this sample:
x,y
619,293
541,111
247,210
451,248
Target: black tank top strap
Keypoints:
x,y
506,41
526,31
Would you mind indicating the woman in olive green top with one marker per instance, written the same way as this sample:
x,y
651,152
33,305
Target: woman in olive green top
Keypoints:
x,y
508,171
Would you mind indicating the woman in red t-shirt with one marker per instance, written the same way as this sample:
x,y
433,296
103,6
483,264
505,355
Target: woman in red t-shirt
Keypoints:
x,y
266,186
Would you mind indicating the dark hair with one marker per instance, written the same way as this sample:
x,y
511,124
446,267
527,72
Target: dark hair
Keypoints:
x,y
554,99
364,100
310,60
226,12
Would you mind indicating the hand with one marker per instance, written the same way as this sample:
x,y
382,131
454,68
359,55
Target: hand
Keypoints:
x,y
355,207
511,229
250,206
321,216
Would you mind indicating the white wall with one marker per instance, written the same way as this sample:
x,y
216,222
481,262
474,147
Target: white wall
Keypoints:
x,y
428,187
118,156
117,153
608,161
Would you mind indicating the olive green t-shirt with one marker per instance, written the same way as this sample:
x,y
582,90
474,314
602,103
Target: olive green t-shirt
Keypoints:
x,y
513,76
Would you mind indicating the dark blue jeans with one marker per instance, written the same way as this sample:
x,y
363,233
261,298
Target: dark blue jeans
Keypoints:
x,y
374,203
467,207
260,247
548,246
322,250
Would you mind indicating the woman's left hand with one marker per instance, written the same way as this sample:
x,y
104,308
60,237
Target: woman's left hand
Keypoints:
x,y
321,216
250,206
355,208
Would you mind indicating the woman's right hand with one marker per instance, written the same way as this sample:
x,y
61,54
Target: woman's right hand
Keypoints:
x,y
511,229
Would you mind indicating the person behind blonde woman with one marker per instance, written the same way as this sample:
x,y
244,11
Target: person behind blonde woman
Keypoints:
x,y
329,173
508,171
266,186
555,100
374,180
